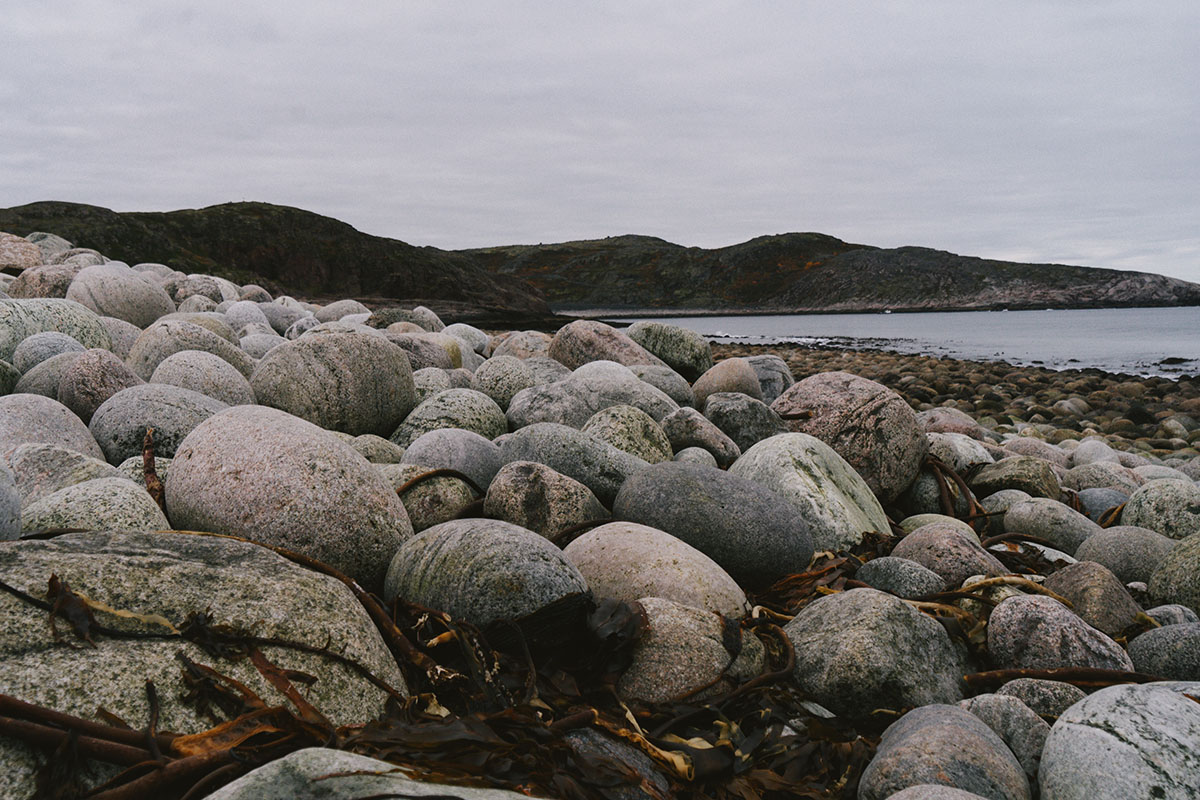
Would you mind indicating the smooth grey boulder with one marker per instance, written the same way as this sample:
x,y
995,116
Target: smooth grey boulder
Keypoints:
x,y
123,334
546,369
1130,742
324,774
931,791
834,503
730,375
774,375
1045,697
196,303
211,321
590,388
429,381
1034,476
1093,450
1096,503
1038,632
696,455
868,424
91,379
301,327
1177,577
1097,596
37,419
899,576
1168,506
98,504
951,420
1063,527
476,339
958,451
1132,553
860,650
169,336
944,549
246,312
44,281
501,377
464,409
539,499
476,456
207,374
174,576
10,505
630,429
997,504
1172,614
685,649
596,464
345,381
38,347
683,350
943,744
1171,652
523,345
626,561
281,317
1102,475
752,532
115,290
687,427
377,450
257,345
667,381
429,501
271,477
583,340
44,377
481,571
1016,723
210,286
42,469
119,424
20,319
742,418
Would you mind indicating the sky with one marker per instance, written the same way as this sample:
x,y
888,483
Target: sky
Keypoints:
x,y
1064,131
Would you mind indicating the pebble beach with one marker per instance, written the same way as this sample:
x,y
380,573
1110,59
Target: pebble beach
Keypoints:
x,y
253,546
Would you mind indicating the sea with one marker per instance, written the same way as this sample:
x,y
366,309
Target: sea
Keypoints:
x,y
1135,341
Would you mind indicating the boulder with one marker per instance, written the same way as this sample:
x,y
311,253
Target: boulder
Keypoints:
x,y
944,549
1034,476
115,290
34,418
1063,527
123,334
683,350
596,464
1097,596
688,428
774,375
430,501
91,379
1016,723
730,375
474,455
581,341
45,377
1177,577
98,504
667,381
951,420
42,469
906,579
205,373
18,253
630,429
590,388
20,319
266,475
10,505
169,336
1166,505
465,409
1171,652
745,420
523,344
1038,632
501,377
540,499
119,424
34,349
1045,697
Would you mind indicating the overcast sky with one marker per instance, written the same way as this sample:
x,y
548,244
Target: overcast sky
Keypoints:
x,y
1063,131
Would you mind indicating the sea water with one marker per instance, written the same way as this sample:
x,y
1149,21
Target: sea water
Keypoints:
x,y
1135,341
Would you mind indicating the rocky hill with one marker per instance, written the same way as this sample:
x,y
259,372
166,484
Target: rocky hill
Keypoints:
x,y
285,248
808,272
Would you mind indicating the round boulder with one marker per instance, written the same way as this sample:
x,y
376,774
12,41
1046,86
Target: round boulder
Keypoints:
x,y
119,424
99,504
207,374
91,379
539,499
169,336
597,465
1038,632
583,340
465,409
115,290
1169,506
35,418
683,350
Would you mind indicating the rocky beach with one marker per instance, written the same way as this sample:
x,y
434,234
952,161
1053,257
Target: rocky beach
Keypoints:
x,y
253,546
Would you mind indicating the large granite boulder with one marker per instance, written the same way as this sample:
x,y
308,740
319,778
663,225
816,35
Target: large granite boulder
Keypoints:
x,y
583,340
1038,632
91,379
169,336
207,374
20,319
683,350
540,499
464,409
597,465
34,418
1168,505
115,290
119,424
98,504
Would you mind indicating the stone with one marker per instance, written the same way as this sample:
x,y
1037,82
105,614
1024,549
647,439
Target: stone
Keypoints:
x,y
598,465
745,420
1097,503
1045,697
465,451
271,477
1063,527
8,378
931,791
540,499
98,504
39,347
246,312
630,429
590,388
133,468
947,745
255,293
906,579
1092,450
1097,596
213,287
1171,652
119,424
1016,723
1177,577
345,381
386,317
376,449
50,244
431,501
1038,632
684,649
430,381
1028,446
774,375
465,409
730,375
687,428
169,336
115,290
752,532
1169,506
831,500
912,523
123,334
46,281
476,339
45,377
20,319
16,252
860,650
1034,476
951,420
481,571
995,505
175,576
523,344
281,317
958,451
546,369
42,469
421,351
1129,742
211,321
683,350
34,418
581,341
205,373
257,345
945,550
1102,475
696,455
1132,553
196,302
10,505
667,381
1172,614
91,379
869,425
626,561
501,377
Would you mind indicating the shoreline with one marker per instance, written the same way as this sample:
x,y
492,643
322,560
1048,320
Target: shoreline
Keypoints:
x,y
640,312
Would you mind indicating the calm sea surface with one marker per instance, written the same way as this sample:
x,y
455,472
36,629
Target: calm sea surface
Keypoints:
x,y
1139,341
